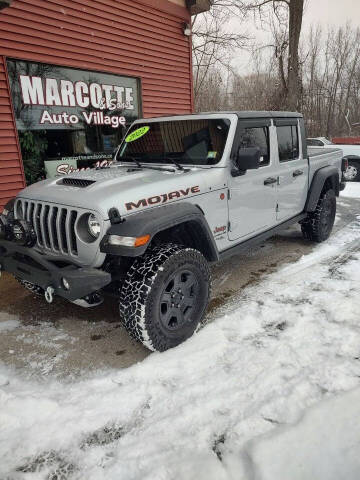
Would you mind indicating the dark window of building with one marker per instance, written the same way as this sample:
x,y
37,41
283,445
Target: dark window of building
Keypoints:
x,y
68,118
257,137
288,140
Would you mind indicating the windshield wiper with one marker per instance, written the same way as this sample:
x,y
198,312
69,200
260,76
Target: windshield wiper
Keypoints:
x,y
177,164
150,167
132,159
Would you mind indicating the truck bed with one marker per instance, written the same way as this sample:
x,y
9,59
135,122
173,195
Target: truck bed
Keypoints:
x,y
322,157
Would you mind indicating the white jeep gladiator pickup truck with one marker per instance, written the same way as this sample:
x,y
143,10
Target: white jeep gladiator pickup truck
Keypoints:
x,y
183,192
350,152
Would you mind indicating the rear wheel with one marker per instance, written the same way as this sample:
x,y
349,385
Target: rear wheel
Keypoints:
x,y
318,225
165,296
352,173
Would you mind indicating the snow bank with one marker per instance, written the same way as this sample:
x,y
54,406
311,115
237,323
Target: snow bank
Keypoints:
x,y
189,413
325,444
352,190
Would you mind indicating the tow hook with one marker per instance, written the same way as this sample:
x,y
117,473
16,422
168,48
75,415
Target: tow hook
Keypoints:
x,y
49,294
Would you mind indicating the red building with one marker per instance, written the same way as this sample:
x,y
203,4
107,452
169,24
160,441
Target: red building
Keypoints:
x,y
346,140
75,73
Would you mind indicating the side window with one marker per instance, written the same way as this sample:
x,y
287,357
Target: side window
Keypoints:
x,y
288,140
257,137
312,142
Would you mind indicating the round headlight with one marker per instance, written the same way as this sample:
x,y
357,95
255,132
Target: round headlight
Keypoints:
x,y
94,226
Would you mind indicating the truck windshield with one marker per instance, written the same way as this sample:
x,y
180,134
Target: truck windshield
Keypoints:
x,y
188,142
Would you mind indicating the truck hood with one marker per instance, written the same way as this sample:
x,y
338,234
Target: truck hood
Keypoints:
x,y
125,188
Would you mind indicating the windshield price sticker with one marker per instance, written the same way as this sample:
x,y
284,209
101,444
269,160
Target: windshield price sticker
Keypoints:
x,y
140,132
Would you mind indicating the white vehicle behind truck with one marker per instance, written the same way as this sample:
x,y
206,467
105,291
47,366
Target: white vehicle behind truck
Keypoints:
x,y
183,192
350,152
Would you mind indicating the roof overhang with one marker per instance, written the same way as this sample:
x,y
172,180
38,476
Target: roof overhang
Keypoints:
x,y
198,6
5,3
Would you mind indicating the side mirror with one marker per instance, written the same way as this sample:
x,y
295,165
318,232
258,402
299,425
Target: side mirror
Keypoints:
x,y
248,159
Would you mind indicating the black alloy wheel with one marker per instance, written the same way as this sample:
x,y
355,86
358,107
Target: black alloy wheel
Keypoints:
x,y
178,299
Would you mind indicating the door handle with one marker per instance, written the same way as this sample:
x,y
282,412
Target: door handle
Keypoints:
x,y
270,181
297,173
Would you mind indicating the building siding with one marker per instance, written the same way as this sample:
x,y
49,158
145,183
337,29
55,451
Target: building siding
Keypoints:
x,y
126,37
11,171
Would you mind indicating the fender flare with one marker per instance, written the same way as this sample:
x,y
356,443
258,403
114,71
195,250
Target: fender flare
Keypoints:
x,y
317,184
155,220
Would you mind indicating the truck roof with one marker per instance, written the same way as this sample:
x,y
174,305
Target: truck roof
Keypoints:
x,y
240,114
260,114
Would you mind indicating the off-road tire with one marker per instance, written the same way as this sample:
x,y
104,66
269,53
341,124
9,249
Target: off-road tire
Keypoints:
x,y
35,289
148,290
352,174
318,225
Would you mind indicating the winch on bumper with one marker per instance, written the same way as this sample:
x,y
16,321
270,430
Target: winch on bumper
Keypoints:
x,y
68,281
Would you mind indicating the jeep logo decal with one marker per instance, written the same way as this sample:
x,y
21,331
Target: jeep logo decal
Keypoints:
x,y
163,198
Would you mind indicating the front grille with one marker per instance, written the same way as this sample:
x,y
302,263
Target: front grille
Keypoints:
x,y
54,225
76,182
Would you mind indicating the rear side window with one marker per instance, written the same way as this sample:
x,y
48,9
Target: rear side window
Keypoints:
x,y
312,142
257,137
288,140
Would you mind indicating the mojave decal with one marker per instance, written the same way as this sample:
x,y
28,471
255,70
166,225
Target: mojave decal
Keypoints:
x,y
163,198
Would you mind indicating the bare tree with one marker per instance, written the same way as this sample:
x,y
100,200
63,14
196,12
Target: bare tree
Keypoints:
x,y
286,47
319,76
331,79
213,45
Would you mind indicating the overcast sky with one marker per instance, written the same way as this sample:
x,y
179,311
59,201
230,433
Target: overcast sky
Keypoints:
x,y
324,12
336,12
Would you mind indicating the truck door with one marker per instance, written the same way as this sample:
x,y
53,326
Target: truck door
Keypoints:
x,y
292,171
252,196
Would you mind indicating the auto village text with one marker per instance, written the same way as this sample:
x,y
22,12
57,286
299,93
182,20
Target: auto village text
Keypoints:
x,y
65,93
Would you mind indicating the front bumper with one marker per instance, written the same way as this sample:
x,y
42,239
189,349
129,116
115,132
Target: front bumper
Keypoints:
x,y
44,271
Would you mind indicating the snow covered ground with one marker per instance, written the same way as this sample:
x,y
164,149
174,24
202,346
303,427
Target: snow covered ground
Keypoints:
x,y
352,190
228,404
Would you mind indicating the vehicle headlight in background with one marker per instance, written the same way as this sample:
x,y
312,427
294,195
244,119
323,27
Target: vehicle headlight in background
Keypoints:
x,y
94,226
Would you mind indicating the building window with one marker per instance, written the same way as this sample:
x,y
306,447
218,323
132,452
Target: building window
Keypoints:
x,y
68,118
288,140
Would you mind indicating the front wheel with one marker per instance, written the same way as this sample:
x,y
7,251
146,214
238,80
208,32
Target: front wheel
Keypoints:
x,y
165,295
318,225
